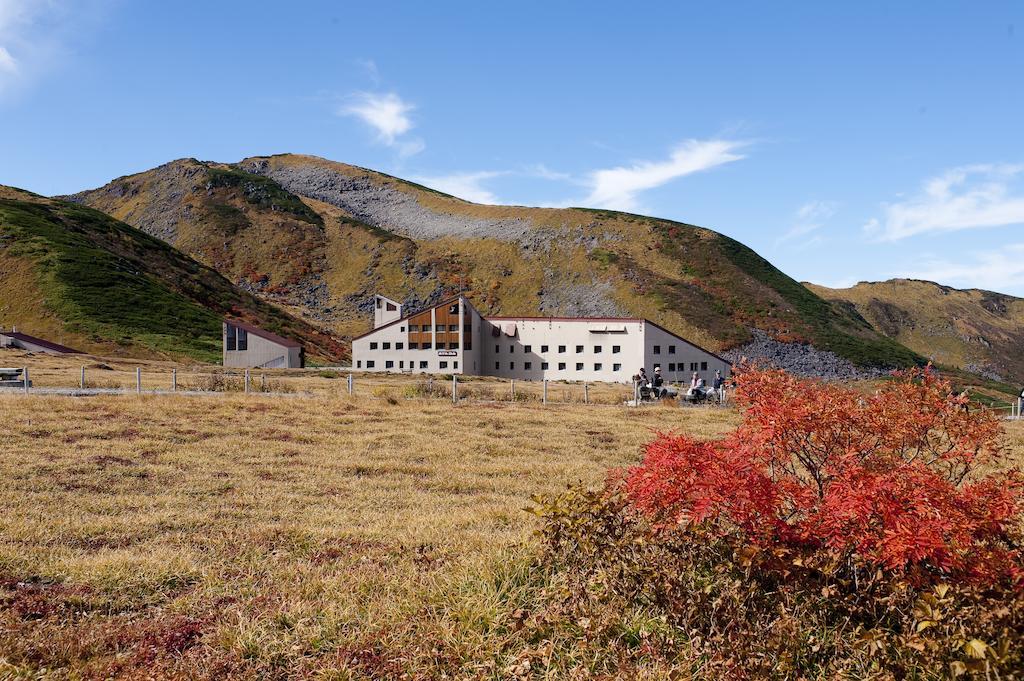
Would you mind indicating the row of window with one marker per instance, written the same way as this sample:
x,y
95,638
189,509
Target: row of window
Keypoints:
x,y
682,366
439,328
390,364
561,349
386,345
527,366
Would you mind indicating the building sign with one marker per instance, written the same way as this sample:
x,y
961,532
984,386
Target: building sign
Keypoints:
x,y
447,353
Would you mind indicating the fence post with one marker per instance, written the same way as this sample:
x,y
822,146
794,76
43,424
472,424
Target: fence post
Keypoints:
x,y
174,380
455,389
24,377
138,379
513,384
82,382
263,383
246,381
586,393
545,391
1020,405
430,386
350,384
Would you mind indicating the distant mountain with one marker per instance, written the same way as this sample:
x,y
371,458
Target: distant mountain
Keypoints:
x,y
321,238
78,276
979,331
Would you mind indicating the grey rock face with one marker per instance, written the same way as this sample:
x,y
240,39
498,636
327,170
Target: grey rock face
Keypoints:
x,y
798,358
385,207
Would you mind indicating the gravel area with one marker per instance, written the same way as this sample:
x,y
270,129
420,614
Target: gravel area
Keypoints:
x,y
385,207
798,358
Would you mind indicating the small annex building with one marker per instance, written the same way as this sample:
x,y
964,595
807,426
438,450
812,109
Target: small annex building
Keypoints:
x,y
451,337
23,341
251,347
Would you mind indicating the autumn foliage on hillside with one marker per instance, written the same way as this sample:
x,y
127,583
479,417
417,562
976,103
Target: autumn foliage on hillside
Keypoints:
x,y
896,479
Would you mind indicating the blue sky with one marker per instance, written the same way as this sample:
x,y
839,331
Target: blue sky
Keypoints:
x,y
847,143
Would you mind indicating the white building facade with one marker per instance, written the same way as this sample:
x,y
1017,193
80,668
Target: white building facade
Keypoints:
x,y
459,340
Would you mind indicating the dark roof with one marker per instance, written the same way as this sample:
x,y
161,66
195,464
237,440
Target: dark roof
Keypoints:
x,y
402,319
18,335
256,331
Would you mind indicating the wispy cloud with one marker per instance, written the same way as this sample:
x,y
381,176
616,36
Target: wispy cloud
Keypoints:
x,y
968,197
29,40
468,186
995,270
809,218
389,116
618,188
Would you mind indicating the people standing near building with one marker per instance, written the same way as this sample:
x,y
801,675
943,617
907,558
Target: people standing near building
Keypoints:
x,y
658,383
719,385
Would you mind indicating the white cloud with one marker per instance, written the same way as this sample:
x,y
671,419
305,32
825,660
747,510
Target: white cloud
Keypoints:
x,y
7,63
809,218
618,188
388,115
995,270
468,186
968,197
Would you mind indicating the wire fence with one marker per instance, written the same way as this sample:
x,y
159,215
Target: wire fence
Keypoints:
x,y
99,379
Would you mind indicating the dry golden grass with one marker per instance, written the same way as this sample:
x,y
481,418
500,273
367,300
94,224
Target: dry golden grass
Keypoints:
x,y
268,537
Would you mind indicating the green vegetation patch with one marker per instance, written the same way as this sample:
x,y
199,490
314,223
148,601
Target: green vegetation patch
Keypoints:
x,y
103,294
263,192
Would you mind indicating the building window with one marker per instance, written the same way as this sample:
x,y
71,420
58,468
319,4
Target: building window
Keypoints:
x,y
231,337
497,366
671,366
561,366
399,346
425,345
391,307
597,349
528,365
453,309
511,349
385,346
497,349
693,366
423,364
369,364
657,349
454,328
243,340
543,348
414,346
561,348
597,367
544,366
389,364
616,367
616,349
443,365
455,365
413,328
359,364
671,349
579,366
511,366
401,364
401,329
425,328
527,348
579,349
703,366
373,345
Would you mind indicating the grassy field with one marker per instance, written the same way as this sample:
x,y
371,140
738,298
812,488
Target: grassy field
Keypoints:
x,y
255,536
312,536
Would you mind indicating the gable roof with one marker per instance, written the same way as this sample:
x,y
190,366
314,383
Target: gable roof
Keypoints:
x,y
411,314
256,331
56,347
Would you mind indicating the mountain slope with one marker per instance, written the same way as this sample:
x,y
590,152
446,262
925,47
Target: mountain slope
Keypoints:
x,y
98,284
374,232
979,331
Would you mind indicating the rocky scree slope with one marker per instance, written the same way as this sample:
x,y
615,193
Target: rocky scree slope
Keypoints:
x,y
79,275
376,233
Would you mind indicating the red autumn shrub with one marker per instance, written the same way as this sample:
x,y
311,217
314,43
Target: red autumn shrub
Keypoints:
x,y
896,479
